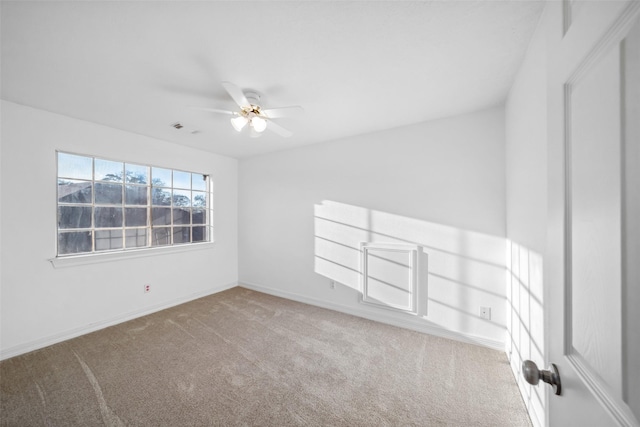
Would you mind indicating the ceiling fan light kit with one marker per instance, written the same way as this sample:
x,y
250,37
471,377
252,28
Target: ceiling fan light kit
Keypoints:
x,y
258,124
252,114
239,123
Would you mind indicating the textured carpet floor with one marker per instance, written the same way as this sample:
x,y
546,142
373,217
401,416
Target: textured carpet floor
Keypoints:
x,y
241,357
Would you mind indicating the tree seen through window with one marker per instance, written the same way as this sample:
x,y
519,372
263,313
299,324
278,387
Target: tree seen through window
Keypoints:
x,y
108,205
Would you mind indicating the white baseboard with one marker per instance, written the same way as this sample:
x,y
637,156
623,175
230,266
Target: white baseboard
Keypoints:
x,y
382,317
76,332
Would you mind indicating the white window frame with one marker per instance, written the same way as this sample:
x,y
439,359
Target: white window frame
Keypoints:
x,y
97,255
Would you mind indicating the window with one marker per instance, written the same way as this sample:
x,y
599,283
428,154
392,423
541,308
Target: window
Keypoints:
x,y
104,205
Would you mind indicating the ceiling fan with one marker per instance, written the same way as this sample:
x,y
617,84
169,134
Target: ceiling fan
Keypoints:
x,y
252,114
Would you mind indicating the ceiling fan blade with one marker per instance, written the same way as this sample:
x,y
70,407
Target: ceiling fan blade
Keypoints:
x,y
275,113
236,93
276,128
215,110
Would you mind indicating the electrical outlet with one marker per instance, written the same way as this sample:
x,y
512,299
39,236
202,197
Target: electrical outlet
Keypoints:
x,y
147,288
332,284
485,313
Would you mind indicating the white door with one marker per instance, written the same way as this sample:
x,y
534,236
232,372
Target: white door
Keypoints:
x,y
593,284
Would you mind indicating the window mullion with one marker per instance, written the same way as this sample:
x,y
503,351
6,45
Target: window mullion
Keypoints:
x,y
93,204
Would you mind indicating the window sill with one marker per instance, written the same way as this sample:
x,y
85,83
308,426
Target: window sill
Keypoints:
x,y
75,260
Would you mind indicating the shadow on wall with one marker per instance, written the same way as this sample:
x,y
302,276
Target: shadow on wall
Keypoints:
x,y
525,321
466,268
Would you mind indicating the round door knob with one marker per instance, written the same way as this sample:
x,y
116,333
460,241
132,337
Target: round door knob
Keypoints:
x,y
533,375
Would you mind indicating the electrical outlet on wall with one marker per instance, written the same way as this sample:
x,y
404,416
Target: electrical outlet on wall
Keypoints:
x,y
485,313
147,288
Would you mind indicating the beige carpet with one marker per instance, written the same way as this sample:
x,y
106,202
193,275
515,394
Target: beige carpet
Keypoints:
x,y
245,358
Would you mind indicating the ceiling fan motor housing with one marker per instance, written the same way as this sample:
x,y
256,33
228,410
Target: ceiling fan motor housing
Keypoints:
x,y
253,98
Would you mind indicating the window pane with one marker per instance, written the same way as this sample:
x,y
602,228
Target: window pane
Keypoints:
x,y
107,170
135,217
135,237
108,217
161,216
199,198
181,180
74,216
72,166
161,177
199,182
181,198
181,235
108,239
199,216
135,195
121,205
160,197
161,236
74,242
182,216
199,234
137,174
74,191
108,194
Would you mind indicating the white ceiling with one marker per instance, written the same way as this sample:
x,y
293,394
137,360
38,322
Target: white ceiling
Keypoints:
x,y
355,67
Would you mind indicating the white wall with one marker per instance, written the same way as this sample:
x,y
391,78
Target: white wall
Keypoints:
x,y
440,184
526,207
41,304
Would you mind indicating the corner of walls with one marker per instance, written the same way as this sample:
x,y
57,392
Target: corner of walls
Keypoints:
x,y
41,305
2,181
440,184
526,218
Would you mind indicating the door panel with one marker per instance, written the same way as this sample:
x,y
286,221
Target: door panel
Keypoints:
x,y
592,253
593,147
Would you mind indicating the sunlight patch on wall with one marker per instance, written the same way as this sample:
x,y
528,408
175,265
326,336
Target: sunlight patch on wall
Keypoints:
x,y
525,321
466,268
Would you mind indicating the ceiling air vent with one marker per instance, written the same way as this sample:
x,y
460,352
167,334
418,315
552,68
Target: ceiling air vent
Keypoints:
x,y
184,128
